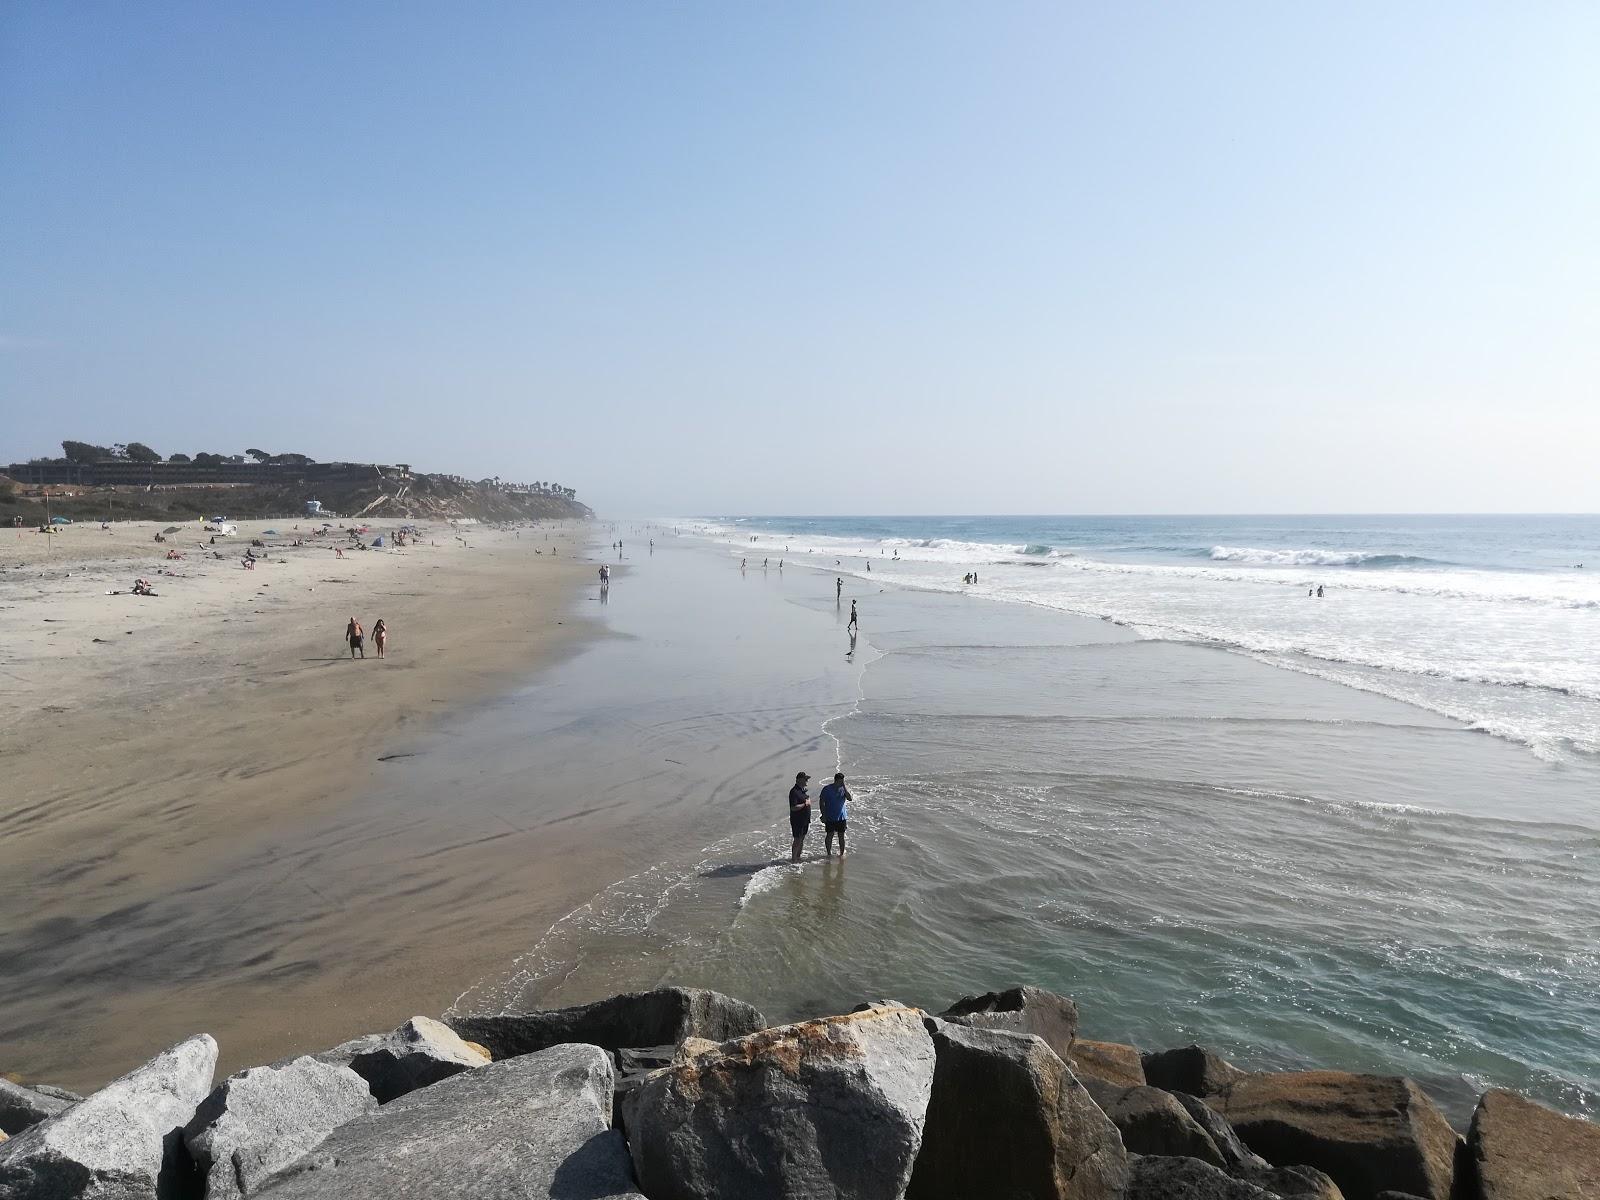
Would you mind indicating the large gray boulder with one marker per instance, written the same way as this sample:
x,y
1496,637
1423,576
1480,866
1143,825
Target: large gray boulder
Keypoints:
x,y
23,1107
1154,1122
817,1110
1111,1062
1519,1150
1238,1160
1192,1069
1156,1178
1021,1010
125,1142
1368,1132
529,1127
1008,1118
665,1016
262,1119
421,1052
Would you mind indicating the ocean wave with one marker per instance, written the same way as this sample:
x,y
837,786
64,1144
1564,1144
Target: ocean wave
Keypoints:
x,y
1310,557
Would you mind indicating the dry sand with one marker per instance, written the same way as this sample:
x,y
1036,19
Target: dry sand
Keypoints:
x,y
144,740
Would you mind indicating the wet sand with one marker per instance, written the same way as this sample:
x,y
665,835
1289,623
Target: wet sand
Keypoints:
x,y
177,769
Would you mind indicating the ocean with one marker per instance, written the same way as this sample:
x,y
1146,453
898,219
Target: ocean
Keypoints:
x,y
1135,762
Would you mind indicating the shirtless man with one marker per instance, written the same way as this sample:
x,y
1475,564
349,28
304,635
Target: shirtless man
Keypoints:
x,y
357,639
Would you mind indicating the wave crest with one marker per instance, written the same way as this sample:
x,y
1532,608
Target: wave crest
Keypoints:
x,y
1311,557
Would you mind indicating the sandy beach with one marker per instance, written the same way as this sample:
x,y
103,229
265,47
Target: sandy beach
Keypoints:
x,y
146,739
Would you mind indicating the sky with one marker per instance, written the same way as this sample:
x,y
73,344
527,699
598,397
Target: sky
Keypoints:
x,y
821,257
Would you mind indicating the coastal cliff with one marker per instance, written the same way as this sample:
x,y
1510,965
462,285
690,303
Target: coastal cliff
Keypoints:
x,y
685,1094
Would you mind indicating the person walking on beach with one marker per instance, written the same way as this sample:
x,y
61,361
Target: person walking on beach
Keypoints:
x,y
833,799
353,635
799,814
838,589
855,621
380,635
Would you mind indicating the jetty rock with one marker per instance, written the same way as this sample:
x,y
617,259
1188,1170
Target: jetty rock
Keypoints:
x,y
421,1052
1191,1069
1156,1178
264,1118
1008,1118
1021,1010
1292,1183
125,1142
1152,1121
1369,1133
1110,1062
811,1111
1519,1150
534,1126
22,1107
665,1016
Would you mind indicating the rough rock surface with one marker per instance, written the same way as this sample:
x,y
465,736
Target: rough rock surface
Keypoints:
x,y
1154,1122
819,1109
1369,1132
1021,1010
1109,1061
1291,1183
1007,1118
666,1015
533,1126
1191,1069
1519,1150
421,1052
262,1119
22,1107
125,1142
1156,1178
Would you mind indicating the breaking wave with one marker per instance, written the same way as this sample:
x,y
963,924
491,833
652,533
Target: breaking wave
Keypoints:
x,y
1318,558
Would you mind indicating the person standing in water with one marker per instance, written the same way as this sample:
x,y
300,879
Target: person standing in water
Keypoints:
x,y
854,620
799,814
834,799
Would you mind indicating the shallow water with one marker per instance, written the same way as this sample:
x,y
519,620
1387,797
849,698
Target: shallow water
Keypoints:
x,y
1192,843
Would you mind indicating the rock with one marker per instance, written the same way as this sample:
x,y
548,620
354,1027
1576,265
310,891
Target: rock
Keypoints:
x,y
1153,1122
533,1126
825,1108
1007,1118
22,1107
1109,1061
125,1142
1298,1183
1021,1010
1191,1069
666,1015
264,1118
1156,1178
1392,1195
634,1065
421,1052
693,1048
1519,1150
483,1050
1369,1132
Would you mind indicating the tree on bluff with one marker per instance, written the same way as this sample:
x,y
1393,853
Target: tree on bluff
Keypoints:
x,y
139,452
84,452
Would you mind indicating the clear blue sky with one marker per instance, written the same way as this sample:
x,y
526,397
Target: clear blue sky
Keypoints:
x,y
821,257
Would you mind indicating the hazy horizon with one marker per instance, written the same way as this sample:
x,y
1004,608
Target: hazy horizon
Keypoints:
x,y
835,260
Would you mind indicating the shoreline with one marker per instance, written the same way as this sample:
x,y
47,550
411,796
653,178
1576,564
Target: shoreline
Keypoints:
x,y
149,741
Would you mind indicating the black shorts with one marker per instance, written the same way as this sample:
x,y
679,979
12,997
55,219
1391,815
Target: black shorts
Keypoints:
x,y
834,826
799,823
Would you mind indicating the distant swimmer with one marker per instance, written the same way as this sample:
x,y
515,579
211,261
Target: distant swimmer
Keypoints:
x,y
799,814
854,620
834,799
1319,591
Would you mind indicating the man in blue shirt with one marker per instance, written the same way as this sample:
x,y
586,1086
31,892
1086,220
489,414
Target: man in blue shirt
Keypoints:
x,y
833,798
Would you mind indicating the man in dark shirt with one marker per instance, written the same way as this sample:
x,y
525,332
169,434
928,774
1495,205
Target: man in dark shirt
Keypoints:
x,y
833,799
799,813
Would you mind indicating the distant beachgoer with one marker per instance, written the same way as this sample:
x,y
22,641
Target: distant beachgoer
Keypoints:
x,y
1310,592
869,565
1319,591
743,562
380,635
799,814
764,563
838,588
974,577
353,635
854,620
834,798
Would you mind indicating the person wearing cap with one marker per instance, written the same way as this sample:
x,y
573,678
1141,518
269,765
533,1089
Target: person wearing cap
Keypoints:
x,y
833,799
799,813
